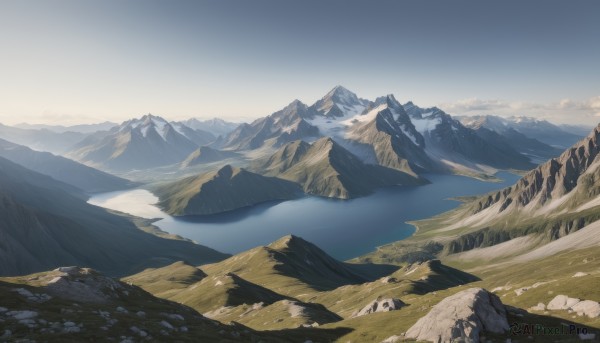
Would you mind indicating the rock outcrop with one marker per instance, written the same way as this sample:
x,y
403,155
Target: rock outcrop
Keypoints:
x,y
380,305
84,285
588,308
462,317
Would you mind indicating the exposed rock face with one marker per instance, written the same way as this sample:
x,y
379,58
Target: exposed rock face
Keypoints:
x,y
85,285
581,307
462,317
383,305
551,180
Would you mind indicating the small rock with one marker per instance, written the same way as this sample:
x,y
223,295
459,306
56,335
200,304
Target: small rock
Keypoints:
x,y
71,329
538,307
141,314
183,329
580,274
69,324
392,339
7,334
3,309
383,305
166,324
121,309
22,314
175,316
134,329
143,333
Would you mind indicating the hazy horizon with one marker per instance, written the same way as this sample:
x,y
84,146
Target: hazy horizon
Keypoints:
x,y
71,62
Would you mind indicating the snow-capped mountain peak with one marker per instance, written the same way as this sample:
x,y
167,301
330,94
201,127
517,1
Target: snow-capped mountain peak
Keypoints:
x,y
340,102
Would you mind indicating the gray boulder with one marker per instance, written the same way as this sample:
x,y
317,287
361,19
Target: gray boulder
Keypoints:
x,y
562,302
380,305
462,317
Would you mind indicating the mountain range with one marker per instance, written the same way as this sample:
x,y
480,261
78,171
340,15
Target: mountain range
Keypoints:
x,y
519,127
405,137
148,142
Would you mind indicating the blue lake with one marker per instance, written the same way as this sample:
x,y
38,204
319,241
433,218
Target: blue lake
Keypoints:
x,y
343,228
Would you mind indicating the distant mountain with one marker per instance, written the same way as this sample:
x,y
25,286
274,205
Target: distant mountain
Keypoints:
x,y
544,131
147,142
327,169
41,139
227,189
206,154
62,169
82,128
506,134
457,146
200,137
46,224
216,126
340,102
277,129
578,130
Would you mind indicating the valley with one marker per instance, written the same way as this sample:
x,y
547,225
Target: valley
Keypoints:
x,y
337,226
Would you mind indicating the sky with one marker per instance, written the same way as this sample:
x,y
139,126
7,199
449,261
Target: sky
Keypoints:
x,y
83,61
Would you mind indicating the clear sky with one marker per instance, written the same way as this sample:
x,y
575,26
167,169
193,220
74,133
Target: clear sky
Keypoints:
x,y
87,61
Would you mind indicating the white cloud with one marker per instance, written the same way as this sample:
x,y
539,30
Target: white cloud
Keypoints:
x,y
563,111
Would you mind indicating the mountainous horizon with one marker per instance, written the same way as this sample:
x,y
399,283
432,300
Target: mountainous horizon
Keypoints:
x,y
452,270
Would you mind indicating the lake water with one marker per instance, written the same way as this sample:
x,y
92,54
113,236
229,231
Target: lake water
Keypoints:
x,y
343,228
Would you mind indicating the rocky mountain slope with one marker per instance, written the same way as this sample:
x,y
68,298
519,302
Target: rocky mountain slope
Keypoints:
x,y
393,137
141,143
72,304
46,223
62,169
327,169
227,189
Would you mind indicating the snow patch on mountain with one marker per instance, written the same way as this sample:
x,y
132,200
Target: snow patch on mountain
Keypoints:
x,y
426,124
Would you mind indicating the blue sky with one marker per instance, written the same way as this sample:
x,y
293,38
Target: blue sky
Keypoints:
x,y
85,61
